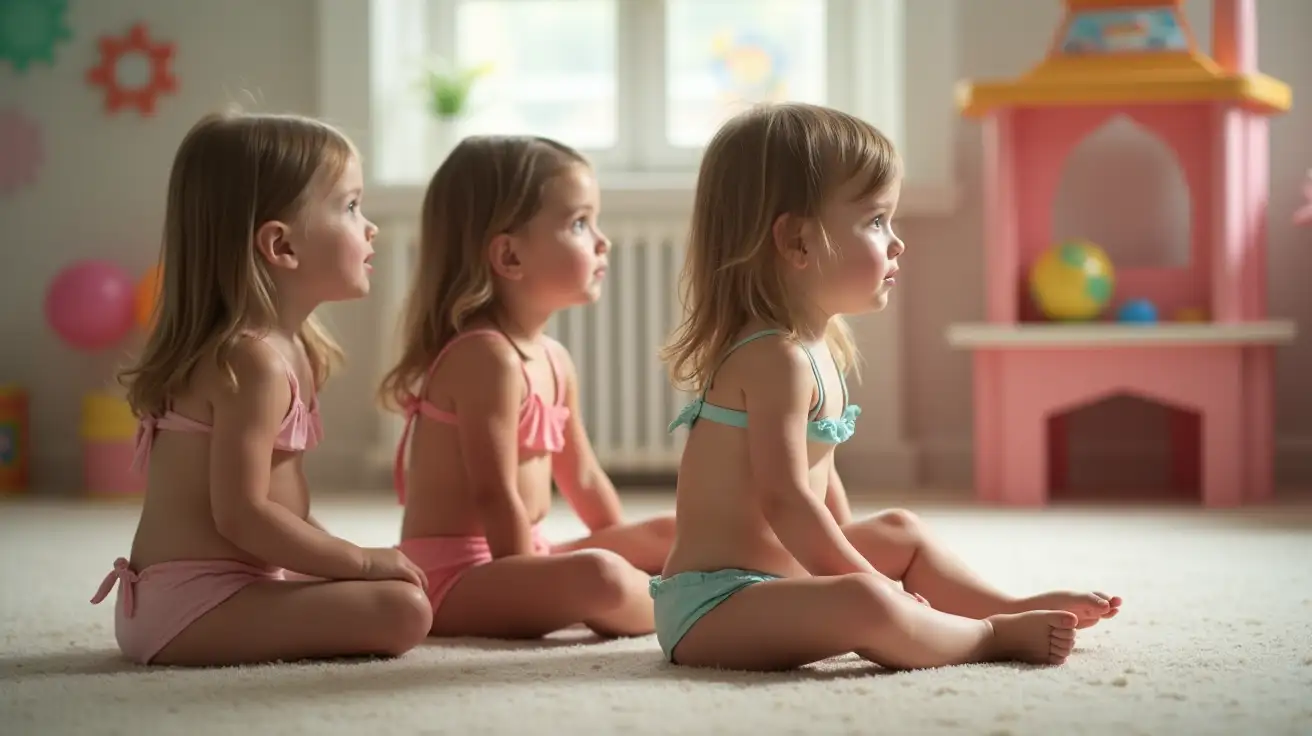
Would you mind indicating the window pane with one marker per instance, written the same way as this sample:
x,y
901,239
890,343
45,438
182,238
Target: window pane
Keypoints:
x,y
553,68
724,55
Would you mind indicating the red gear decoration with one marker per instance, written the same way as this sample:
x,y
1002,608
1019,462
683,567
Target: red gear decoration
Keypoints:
x,y
112,50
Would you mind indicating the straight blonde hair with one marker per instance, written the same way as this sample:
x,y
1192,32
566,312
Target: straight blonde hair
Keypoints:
x,y
232,173
765,162
487,186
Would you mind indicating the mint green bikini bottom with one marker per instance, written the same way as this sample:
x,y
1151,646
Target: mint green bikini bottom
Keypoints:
x,y
681,600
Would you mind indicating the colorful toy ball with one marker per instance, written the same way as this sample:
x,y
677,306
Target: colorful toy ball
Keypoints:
x,y
1072,281
89,304
1139,311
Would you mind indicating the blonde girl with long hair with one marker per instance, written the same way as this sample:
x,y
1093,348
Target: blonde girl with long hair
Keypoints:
x,y
262,225
509,236
792,229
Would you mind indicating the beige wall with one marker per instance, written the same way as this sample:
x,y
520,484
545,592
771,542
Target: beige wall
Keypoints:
x,y
101,194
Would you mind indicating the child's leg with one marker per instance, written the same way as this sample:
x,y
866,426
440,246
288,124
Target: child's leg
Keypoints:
x,y
899,545
787,623
525,597
278,620
645,544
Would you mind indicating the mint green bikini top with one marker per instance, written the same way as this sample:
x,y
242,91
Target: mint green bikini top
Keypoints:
x,y
829,431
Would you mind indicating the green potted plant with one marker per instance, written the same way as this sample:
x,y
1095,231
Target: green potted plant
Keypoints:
x,y
447,90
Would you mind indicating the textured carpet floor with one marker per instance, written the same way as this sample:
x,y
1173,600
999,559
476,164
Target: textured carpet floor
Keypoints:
x,y
1215,638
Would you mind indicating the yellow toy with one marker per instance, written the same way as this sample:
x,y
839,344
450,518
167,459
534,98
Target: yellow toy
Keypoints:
x,y
1072,281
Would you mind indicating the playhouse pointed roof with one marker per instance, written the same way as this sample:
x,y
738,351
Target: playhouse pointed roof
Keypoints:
x,y
1122,52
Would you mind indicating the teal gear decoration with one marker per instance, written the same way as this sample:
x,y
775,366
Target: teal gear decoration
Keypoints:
x,y
30,29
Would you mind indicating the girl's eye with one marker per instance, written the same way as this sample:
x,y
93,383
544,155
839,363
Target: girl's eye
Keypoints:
x,y
353,206
878,222
580,225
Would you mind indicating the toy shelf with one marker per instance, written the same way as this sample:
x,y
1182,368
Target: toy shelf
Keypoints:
x,y
1114,335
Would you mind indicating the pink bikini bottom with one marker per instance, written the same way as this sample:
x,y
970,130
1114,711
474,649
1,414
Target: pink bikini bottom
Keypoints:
x,y
445,559
158,603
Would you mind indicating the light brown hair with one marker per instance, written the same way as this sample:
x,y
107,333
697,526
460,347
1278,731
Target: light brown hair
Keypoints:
x,y
768,161
232,173
487,186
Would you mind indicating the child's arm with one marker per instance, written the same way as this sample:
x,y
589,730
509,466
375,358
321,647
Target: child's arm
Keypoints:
x,y
246,424
575,469
778,392
836,498
487,415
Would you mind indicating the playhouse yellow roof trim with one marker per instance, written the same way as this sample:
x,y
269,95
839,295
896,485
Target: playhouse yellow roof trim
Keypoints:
x,y
1124,81
1173,71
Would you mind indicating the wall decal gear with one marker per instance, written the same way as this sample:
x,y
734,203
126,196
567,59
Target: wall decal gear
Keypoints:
x,y
134,71
30,30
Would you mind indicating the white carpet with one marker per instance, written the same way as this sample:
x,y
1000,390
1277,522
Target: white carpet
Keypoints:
x,y
1215,638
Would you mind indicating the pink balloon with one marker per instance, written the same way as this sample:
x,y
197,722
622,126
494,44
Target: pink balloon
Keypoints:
x,y
89,304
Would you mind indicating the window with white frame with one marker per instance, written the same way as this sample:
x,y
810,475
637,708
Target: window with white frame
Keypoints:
x,y
637,85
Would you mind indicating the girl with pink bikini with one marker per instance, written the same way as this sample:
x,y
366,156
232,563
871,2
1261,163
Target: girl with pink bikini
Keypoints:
x,y
509,236
263,224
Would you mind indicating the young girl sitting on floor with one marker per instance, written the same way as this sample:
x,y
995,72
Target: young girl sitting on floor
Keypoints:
x,y
263,225
792,229
509,236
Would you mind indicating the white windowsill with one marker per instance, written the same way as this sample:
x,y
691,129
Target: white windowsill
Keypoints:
x,y
649,193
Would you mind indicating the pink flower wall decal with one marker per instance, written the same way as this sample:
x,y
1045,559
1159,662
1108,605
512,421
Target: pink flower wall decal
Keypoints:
x,y
21,154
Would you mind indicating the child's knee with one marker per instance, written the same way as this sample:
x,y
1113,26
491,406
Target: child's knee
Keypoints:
x,y
662,528
899,519
405,616
866,599
604,577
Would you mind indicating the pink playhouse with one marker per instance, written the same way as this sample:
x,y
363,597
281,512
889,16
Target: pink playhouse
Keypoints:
x,y
1065,327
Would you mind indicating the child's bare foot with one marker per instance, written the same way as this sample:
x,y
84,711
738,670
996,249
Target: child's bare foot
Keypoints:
x,y
1035,637
1089,607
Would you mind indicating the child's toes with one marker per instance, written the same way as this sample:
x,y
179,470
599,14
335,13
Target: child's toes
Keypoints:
x,y
1112,600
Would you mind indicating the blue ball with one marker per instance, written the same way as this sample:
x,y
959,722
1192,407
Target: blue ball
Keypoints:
x,y
1137,310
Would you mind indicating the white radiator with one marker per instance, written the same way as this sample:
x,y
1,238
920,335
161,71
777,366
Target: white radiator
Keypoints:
x,y
625,394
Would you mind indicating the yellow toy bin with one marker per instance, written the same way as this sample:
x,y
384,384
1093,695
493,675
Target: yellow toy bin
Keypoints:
x,y
109,431
15,458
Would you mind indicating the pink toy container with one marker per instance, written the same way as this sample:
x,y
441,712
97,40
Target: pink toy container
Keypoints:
x,y
108,442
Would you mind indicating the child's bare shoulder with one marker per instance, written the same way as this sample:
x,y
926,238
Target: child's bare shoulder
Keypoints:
x,y
773,366
250,366
475,362
771,359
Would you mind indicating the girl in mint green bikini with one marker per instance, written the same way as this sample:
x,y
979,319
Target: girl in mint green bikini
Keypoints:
x,y
791,231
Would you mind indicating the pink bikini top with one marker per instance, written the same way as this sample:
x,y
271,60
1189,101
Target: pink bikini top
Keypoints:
x,y
541,425
301,429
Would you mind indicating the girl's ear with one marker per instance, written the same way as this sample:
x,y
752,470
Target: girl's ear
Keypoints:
x,y
503,254
788,233
273,242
